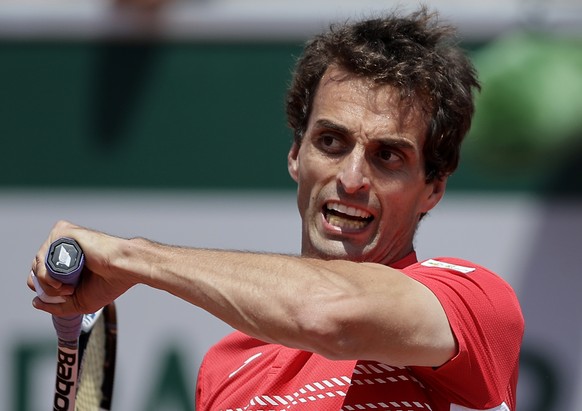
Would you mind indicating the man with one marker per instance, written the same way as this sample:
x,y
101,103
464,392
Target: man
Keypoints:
x,y
379,110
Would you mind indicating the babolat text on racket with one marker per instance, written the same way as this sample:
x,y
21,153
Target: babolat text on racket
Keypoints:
x,y
64,262
86,343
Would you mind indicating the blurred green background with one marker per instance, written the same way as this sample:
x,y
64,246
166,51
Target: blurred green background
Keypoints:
x,y
187,114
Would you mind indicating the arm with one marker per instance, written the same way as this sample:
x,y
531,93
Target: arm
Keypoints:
x,y
340,309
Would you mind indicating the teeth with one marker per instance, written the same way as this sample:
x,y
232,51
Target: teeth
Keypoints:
x,y
346,224
350,211
346,217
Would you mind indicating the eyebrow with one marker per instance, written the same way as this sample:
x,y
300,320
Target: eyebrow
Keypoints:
x,y
393,141
324,123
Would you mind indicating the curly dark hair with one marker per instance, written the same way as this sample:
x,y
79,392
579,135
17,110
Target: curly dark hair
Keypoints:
x,y
414,54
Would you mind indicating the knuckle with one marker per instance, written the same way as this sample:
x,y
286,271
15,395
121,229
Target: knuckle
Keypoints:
x,y
36,262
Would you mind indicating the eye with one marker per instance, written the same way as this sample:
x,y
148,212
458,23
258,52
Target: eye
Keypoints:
x,y
386,155
330,143
389,158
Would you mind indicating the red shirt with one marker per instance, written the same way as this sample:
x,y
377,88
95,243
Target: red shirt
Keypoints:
x,y
243,373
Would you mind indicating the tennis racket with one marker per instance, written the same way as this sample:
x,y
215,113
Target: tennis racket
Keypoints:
x,y
86,348
97,352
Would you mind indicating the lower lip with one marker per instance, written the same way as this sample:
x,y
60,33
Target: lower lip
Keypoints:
x,y
341,231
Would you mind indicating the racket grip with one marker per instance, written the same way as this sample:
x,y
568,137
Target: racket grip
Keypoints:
x,y
64,262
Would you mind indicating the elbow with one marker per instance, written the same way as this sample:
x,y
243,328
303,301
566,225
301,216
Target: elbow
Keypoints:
x,y
327,333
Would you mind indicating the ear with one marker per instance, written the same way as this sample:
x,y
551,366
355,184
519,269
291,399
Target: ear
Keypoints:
x,y
293,162
435,191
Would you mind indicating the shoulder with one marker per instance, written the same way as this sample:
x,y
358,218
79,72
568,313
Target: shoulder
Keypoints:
x,y
448,264
487,322
465,287
451,271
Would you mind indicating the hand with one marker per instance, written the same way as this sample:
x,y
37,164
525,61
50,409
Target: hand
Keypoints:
x,y
100,282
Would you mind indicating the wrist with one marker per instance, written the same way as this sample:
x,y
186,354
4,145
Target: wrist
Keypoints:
x,y
136,261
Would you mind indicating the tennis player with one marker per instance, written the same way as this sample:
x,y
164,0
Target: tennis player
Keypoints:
x,y
378,109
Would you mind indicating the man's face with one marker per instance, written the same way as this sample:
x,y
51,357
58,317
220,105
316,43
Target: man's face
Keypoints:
x,y
360,173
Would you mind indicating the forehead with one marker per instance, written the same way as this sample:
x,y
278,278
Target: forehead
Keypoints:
x,y
347,95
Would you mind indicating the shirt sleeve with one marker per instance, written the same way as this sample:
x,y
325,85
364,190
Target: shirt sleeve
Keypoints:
x,y
487,322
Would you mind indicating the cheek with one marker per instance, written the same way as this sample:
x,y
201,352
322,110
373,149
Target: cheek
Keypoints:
x,y
312,179
302,200
402,205
310,173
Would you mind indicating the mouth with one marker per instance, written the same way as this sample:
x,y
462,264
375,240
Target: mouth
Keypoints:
x,y
346,217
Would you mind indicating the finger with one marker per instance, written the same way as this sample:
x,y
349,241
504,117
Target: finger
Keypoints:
x,y
29,281
39,270
59,309
51,308
50,299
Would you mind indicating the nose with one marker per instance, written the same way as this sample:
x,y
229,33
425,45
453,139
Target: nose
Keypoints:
x,y
353,174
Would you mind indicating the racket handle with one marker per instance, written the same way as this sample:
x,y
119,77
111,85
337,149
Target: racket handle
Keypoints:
x,y
64,262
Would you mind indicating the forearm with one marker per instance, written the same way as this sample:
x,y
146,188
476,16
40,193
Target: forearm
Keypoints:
x,y
340,309
271,297
255,293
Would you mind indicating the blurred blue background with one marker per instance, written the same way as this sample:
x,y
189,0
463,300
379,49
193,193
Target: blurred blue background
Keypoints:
x,y
165,119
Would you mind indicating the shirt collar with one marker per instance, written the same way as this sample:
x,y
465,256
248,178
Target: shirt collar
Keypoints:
x,y
405,261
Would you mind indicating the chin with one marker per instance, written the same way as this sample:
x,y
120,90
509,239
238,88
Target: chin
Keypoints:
x,y
335,250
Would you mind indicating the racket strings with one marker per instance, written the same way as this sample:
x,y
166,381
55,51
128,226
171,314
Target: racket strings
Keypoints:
x,y
97,353
91,370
